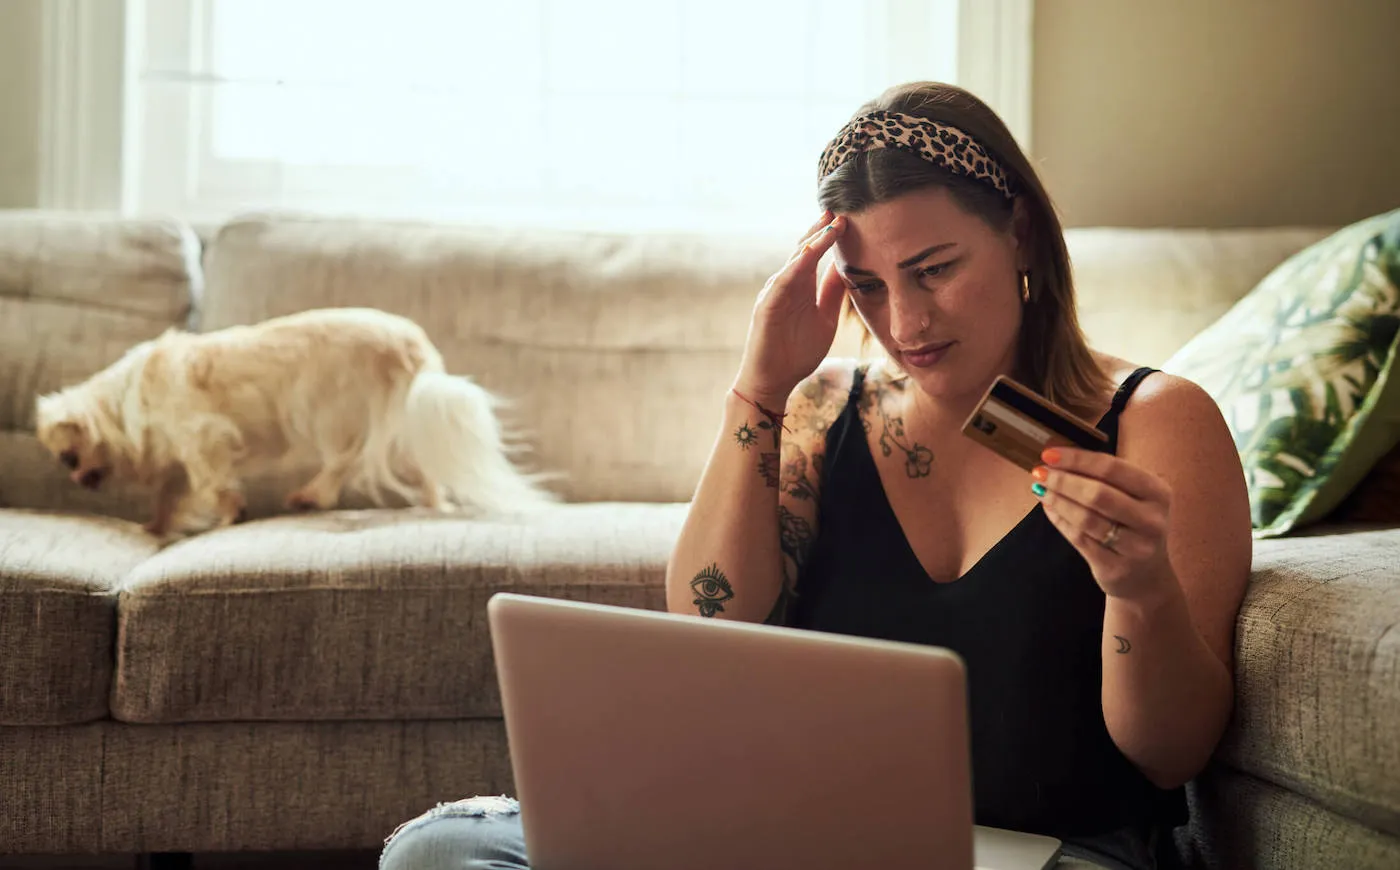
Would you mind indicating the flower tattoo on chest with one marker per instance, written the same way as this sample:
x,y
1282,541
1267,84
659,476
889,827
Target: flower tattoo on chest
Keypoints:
x,y
881,404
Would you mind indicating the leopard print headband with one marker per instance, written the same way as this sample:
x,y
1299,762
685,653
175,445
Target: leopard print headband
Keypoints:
x,y
940,144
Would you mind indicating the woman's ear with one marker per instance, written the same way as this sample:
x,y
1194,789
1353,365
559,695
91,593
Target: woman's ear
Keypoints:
x,y
1021,233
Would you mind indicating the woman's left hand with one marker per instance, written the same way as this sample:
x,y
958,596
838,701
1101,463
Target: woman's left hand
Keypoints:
x,y
1115,514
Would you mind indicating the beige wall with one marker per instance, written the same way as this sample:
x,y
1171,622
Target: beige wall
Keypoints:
x,y
19,103
1217,112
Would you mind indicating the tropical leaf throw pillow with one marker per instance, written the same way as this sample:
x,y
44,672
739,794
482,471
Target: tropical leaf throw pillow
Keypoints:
x,y
1303,369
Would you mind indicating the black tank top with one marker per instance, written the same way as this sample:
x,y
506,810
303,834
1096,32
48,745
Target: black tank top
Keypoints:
x,y
1027,621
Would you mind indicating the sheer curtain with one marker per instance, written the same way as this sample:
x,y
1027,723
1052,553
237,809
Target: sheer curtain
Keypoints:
x,y
619,114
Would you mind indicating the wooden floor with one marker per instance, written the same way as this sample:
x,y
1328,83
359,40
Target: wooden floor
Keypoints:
x,y
239,861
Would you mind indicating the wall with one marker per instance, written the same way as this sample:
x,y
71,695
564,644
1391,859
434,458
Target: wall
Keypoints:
x,y
1217,112
20,61
1186,113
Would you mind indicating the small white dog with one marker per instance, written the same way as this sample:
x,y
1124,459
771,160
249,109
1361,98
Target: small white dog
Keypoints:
x,y
359,391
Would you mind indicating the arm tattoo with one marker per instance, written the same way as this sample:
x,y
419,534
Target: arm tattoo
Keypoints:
x,y
746,436
711,590
794,539
795,481
1124,645
768,462
918,459
768,469
819,391
794,536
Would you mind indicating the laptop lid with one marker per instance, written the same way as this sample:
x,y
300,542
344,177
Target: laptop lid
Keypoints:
x,y
642,740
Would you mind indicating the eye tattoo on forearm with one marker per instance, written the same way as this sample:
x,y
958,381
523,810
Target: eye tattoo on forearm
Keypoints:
x,y
711,590
1124,645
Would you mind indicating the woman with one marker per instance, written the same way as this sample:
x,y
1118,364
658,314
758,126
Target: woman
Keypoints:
x,y
1092,603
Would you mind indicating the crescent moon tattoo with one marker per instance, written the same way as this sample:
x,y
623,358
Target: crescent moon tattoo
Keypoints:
x,y
1123,644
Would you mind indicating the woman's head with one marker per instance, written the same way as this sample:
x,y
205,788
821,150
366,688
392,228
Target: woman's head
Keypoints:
x,y
945,234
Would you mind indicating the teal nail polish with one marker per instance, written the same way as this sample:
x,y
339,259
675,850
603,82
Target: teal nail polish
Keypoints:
x,y
1038,489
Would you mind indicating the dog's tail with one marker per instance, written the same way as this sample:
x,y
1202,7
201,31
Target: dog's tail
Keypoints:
x,y
452,434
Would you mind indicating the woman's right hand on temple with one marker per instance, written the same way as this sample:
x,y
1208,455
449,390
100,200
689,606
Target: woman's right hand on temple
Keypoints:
x,y
794,320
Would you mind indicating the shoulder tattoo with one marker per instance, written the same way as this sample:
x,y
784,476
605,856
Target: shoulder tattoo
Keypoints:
x,y
881,404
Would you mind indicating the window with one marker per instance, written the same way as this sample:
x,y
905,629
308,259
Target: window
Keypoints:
x,y
614,114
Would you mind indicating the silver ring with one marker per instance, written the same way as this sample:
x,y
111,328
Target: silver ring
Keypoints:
x,y
1112,537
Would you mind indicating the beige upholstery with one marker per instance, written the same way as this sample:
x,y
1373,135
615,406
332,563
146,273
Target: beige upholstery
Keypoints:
x,y
1244,822
236,786
31,478
375,615
616,351
58,583
1318,694
311,681
51,782
75,293
1144,293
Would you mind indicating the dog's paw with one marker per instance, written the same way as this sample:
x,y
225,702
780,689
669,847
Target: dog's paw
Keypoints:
x,y
301,501
231,509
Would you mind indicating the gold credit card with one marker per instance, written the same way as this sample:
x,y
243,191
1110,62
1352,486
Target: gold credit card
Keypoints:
x,y
1018,424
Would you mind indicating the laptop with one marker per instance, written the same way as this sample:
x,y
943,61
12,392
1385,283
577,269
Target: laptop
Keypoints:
x,y
654,741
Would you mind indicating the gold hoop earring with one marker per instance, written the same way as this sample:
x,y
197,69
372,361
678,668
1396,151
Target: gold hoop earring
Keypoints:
x,y
1025,287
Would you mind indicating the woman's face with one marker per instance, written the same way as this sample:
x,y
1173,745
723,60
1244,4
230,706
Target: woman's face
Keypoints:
x,y
937,287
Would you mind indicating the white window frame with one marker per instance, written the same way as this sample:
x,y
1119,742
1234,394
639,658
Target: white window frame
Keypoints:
x,y
89,142
82,83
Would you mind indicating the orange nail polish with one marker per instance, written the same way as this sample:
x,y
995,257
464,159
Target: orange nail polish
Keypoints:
x,y
1040,473
1051,456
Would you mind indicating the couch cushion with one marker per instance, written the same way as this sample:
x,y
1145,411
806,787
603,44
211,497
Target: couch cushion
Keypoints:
x,y
616,351
1239,821
29,476
75,293
51,789
362,615
1318,672
58,596
288,786
1143,293
113,788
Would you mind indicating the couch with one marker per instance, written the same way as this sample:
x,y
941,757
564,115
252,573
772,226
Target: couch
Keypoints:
x,y
307,682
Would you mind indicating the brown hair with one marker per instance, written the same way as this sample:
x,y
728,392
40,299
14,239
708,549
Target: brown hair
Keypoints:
x,y
1052,354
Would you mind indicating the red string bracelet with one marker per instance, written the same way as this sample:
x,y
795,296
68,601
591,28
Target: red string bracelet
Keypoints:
x,y
774,417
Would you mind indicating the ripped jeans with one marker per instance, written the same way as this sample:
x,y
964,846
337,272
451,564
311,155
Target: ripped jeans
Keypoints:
x,y
484,833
